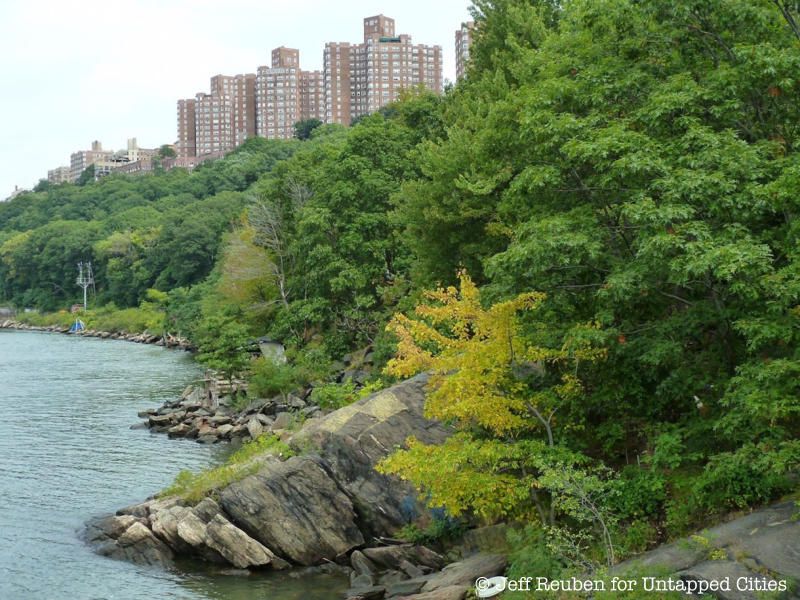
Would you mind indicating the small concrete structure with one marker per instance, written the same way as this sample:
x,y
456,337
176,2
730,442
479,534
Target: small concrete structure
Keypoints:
x,y
272,350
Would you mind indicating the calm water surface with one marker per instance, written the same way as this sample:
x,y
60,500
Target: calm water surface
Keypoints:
x,y
67,453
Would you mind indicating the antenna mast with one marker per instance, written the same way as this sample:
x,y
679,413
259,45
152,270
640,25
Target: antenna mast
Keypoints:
x,y
85,280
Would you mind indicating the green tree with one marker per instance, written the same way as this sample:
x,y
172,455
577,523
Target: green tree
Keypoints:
x,y
87,175
166,151
224,341
502,393
303,129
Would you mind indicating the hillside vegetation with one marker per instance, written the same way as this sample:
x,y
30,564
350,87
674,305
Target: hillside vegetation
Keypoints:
x,y
603,214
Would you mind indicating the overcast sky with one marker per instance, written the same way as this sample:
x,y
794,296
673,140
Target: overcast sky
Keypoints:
x,y
73,71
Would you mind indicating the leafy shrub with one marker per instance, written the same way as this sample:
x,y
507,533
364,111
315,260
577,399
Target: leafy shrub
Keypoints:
x,y
60,319
635,537
640,494
531,554
442,529
335,395
679,516
668,451
748,476
267,378
310,364
146,317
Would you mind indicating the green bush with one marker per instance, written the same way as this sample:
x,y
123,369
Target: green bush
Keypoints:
x,y
634,538
640,493
58,319
146,317
751,475
334,395
531,556
268,378
440,530
310,364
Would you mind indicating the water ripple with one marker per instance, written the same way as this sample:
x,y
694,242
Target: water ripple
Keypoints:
x,y
67,453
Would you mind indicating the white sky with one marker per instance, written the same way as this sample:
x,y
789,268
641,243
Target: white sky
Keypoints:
x,y
73,71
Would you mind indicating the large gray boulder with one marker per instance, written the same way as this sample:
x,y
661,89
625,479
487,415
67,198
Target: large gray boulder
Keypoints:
x,y
353,439
764,541
295,508
235,546
464,573
730,571
127,538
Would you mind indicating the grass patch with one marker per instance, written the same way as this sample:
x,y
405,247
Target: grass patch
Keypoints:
x,y
146,317
193,487
57,319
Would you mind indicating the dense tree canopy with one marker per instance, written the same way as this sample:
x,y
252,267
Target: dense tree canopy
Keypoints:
x,y
140,232
628,169
637,162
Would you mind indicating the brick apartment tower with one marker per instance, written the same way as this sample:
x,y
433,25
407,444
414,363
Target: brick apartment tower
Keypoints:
x,y
244,108
186,146
278,95
285,94
217,122
463,44
312,95
361,78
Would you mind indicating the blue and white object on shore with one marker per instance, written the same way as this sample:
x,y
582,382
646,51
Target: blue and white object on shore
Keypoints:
x,y
77,326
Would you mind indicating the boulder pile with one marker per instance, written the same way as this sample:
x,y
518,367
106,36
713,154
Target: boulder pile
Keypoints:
x,y
199,415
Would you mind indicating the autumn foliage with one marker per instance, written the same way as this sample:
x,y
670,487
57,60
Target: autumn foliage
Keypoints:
x,y
501,391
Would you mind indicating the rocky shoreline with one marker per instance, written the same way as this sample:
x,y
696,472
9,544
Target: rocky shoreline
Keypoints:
x,y
167,340
326,505
201,415
204,411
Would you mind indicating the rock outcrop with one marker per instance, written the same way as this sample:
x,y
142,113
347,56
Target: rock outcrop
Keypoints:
x,y
296,508
314,507
762,546
410,573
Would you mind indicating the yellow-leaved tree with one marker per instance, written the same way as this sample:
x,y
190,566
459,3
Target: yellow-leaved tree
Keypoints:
x,y
503,393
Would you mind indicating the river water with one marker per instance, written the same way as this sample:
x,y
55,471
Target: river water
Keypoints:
x,y
67,453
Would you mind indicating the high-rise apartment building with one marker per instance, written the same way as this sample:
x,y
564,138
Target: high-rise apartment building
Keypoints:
x,y
285,94
217,122
213,123
186,146
463,44
361,78
244,107
278,95
338,64
312,95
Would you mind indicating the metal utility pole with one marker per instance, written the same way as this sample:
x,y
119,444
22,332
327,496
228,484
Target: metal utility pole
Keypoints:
x,y
85,280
